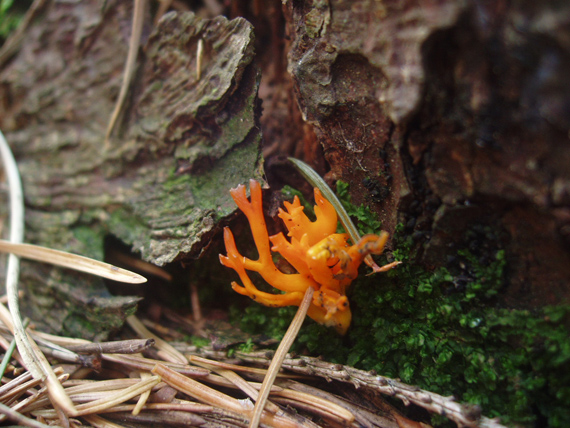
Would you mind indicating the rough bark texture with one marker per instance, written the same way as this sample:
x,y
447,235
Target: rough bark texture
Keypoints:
x,y
161,186
447,114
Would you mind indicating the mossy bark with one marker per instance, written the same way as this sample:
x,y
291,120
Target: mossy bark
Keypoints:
x,y
162,184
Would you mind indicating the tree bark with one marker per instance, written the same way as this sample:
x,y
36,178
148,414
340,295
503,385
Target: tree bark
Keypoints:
x,y
182,141
445,115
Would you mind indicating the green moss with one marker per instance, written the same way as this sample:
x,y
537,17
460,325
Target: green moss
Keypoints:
x,y
125,225
199,342
445,331
367,221
77,322
259,319
91,239
210,190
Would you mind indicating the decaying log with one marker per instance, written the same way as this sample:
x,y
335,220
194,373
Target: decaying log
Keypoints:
x,y
160,186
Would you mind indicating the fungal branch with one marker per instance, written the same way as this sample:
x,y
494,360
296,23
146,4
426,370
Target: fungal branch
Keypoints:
x,y
323,259
325,264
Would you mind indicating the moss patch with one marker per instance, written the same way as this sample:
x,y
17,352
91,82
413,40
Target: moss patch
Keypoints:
x,y
445,331
367,221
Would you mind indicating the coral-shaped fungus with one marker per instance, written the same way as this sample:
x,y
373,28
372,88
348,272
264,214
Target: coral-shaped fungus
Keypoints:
x,y
322,258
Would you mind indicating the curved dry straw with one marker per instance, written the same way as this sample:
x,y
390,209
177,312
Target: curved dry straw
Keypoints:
x,y
35,361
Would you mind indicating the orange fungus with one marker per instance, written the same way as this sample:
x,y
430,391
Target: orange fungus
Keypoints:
x,y
322,258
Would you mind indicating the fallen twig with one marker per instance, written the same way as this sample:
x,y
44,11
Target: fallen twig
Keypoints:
x,y
110,401
463,415
141,363
216,398
166,350
131,346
